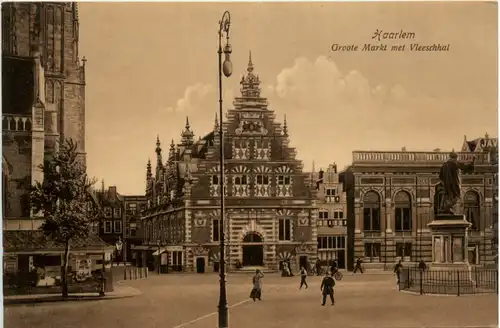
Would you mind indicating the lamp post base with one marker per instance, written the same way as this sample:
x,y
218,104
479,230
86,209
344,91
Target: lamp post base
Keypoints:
x,y
223,316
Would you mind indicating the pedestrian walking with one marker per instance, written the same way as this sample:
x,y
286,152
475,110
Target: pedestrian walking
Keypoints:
x,y
303,276
333,268
318,267
397,270
256,292
358,266
327,288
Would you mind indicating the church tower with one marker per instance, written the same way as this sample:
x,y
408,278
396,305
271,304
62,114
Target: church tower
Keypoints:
x,y
43,92
50,31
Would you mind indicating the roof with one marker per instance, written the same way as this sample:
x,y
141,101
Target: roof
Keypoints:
x,y
32,240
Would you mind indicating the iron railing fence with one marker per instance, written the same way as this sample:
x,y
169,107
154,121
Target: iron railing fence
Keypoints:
x,y
477,280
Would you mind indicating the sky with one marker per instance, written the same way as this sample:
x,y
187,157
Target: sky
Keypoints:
x,y
152,64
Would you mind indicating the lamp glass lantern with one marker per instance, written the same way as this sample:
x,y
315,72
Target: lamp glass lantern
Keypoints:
x,y
227,66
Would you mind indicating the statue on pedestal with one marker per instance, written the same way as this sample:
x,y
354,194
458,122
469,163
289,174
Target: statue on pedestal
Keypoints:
x,y
447,191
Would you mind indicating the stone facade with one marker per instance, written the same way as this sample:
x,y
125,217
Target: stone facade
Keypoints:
x,y
392,196
43,84
332,217
270,210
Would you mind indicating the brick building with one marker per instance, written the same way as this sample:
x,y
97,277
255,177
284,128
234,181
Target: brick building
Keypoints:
x,y
391,197
332,217
134,206
111,225
270,211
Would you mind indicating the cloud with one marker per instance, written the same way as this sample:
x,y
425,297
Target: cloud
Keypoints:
x,y
200,103
330,113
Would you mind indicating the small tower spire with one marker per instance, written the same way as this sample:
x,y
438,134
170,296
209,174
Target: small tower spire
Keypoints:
x,y
149,173
187,135
285,128
216,123
158,151
250,64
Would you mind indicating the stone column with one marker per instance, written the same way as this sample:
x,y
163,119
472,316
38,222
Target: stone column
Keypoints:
x,y
388,211
357,215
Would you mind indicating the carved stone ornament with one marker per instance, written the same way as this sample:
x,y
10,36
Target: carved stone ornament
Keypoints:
x,y
303,221
303,248
200,250
199,220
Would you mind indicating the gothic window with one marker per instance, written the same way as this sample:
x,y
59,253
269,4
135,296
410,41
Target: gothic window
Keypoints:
x,y
6,28
471,209
58,39
372,252
5,192
215,230
50,38
371,212
49,91
403,212
284,230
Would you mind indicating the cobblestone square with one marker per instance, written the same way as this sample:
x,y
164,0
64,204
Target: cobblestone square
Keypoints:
x,y
189,300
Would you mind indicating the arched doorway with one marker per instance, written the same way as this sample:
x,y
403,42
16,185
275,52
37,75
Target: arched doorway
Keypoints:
x,y
253,255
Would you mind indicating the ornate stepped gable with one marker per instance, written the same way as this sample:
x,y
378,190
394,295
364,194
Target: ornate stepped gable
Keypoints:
x,y
256,149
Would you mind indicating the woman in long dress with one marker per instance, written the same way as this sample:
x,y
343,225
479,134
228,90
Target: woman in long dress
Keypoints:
x,y
257,285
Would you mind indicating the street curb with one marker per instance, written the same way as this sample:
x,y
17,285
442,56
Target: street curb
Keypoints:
x,y
71,298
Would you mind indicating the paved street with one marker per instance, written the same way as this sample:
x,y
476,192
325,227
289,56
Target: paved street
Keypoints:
x,y
190,300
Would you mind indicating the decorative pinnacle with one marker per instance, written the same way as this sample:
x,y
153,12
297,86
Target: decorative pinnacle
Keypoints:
x,y
216,125
250,64
285,128
187,123
158,148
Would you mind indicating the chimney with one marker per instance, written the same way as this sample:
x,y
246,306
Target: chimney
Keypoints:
x,y
112,193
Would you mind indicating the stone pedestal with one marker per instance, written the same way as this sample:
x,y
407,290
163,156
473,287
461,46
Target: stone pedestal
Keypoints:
x,y
449,251
449,242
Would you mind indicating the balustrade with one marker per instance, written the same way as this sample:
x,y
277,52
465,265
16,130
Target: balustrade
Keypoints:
x,y
359,157
11,122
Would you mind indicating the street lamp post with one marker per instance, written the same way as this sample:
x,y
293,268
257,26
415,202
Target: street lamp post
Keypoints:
x,y
118,246
225,68
158,244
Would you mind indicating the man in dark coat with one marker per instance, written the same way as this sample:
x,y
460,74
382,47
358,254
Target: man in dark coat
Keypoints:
x,y
327,288
449,177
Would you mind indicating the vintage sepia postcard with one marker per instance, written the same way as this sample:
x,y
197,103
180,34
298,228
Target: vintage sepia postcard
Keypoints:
x,y
193,165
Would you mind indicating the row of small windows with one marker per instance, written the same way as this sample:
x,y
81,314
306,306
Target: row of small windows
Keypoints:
x,y
112,212
261,180
243,144
331,242
403,211
337,214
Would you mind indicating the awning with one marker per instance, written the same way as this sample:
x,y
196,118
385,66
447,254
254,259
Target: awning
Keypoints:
x,y
159,251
